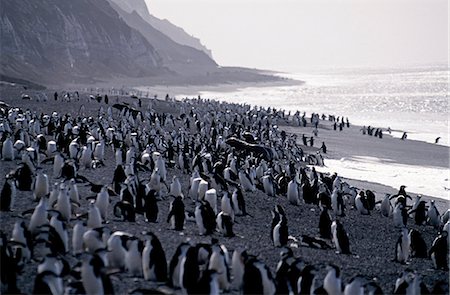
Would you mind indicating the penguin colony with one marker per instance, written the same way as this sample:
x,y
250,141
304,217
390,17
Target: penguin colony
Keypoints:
x,y
95,185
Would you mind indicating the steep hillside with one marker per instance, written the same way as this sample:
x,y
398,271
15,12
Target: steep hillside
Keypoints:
x,y
53,41
174,32
175,56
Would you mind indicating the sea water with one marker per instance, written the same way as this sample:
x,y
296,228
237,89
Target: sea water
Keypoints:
x,y
412,100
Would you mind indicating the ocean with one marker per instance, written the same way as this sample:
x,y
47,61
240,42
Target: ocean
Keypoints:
x,y
412,100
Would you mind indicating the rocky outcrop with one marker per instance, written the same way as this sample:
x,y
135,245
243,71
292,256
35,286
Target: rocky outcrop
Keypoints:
x,y
172,31
51,41
177,57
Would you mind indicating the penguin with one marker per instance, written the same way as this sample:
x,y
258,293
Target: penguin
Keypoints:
x,y
21,236
219,263
58,164
176,265
210,196
94,219
292,193
439,251
434,218
246,182
133,257
227,206
306,282
332,282
282,274
325,224
193,191
77,238
205,218
238,202
117,249
63,204
8,194
24,177
58,234
151,207
257,278
402,247
125,210
386,206
39,216
102,202
154,263
370,197
208,283
281,233
355,286
419,212
190,269
418,247
73,192
118,178
93,240
400,215
361,204
268,185
41,186
175,187
8,149
176,215
237,268
202,189
91,275
225,224
48,282
340,238
277,213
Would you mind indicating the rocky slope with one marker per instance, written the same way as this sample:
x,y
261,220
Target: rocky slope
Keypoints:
x,y
71,41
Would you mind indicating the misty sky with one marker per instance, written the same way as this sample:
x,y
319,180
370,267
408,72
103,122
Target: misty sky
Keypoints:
x,y
295,34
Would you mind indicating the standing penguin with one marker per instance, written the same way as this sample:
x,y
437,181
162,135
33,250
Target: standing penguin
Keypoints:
x,y
400,215
237,268
176,215
238,202
340,237
361,204
402,247
292,193
151,207
434,218
439,251
355,286
8,194
418,247
91,275
257,278
306,282
325,224
225,224
77,238
41,186
280,231
176,265
39,216
154,263
219,263
133,257
226,204
332,282
386,206
419,212
205,218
